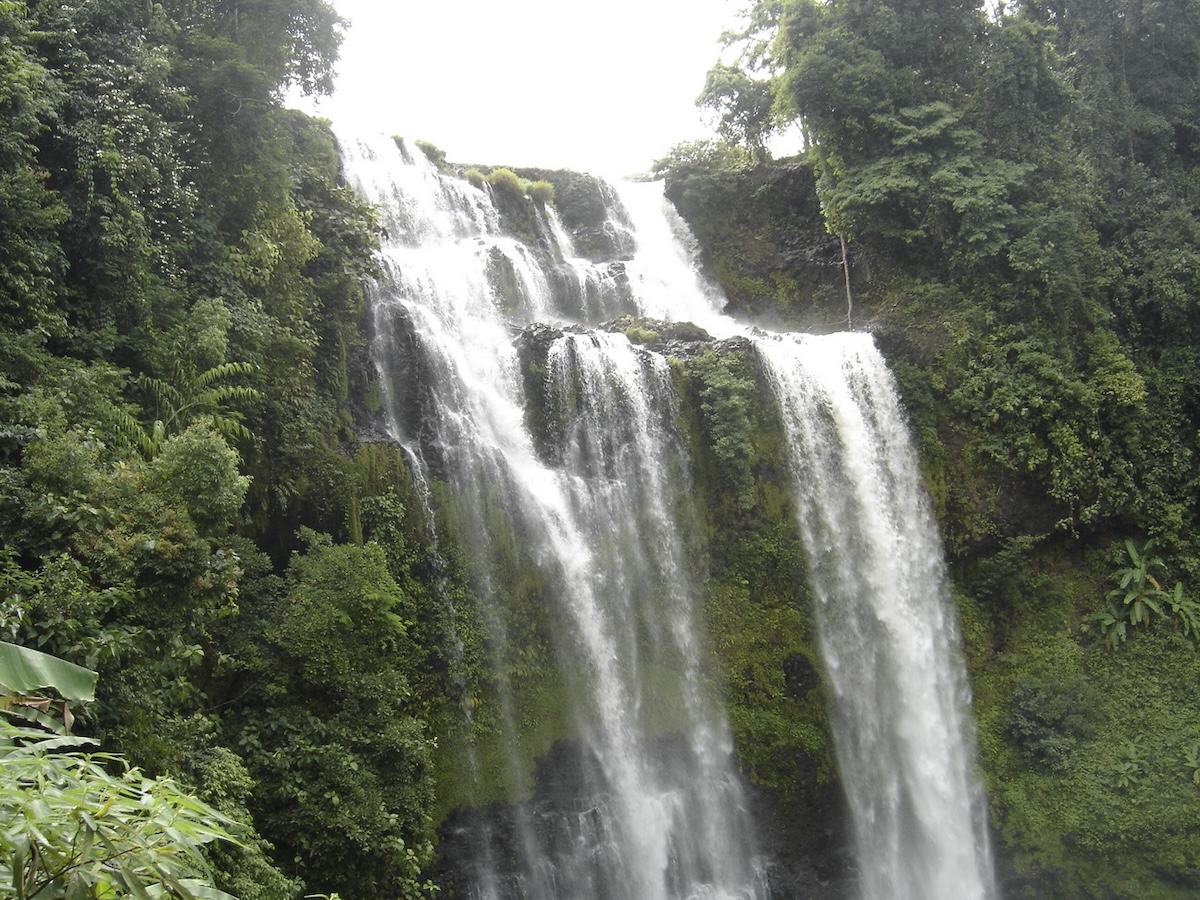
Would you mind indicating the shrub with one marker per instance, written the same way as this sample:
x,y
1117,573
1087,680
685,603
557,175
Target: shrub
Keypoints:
x,y
639,335
541,191
200,470
506,181
1048,718
474,176
433,153
84,832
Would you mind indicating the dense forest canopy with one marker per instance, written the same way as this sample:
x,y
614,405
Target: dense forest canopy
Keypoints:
x,y
1032,171
185,507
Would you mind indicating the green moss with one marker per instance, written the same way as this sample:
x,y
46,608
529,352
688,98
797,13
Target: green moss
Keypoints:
x,y
1059,719
641,335
518,215
779,722
544,421
725,389
488,754
510,698
374,397
758,604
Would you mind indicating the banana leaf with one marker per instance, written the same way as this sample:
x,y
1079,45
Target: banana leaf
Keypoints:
x,y
24,671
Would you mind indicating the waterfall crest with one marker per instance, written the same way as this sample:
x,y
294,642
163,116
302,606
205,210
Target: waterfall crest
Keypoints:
x,y
596,487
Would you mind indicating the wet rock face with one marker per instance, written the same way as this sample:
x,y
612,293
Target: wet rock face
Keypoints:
x,y
682,340
599,226
486,845
591,211
806,843
804,847
802,676
581,202
656,332
763,238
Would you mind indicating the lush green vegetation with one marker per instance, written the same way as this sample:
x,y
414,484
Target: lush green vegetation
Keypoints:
x,y
508,184
184,509
746,543
180,291
1018,196
74,828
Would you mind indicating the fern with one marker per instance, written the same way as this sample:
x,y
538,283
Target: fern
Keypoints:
x,y
188,397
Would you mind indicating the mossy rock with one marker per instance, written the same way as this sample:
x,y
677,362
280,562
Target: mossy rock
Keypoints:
x,y
656,333
763,239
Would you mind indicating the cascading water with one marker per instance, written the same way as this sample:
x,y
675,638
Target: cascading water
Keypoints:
x,y
596,490
888,637
657,811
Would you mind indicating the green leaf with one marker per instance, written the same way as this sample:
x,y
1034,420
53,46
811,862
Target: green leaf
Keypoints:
x,y
133,883
204,891
23,670
78,888
18,868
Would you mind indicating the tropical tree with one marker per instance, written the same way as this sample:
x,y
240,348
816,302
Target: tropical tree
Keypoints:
x,y
30,214
336,684
189,396
743,105
73,829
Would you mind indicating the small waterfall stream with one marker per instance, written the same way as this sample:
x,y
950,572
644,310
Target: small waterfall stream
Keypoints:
x,y
659,812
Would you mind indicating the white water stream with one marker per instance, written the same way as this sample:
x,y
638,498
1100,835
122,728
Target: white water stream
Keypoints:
x,y
888,636
659,824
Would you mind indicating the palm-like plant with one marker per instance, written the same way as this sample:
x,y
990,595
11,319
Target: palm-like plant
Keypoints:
x,y
189,396
1185,613
25,672
1137,590
1139,594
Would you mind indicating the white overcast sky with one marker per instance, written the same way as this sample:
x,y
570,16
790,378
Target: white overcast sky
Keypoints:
x,y
606,86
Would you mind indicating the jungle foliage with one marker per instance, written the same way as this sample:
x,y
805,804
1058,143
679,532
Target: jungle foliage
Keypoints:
x,y
181,283
1017,187
83,824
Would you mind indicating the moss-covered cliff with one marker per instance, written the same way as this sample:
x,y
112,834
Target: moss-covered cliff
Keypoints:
x,y
762,240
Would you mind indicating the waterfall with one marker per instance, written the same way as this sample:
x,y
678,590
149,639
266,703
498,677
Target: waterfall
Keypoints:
x,y
888,636
657,811
594,486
